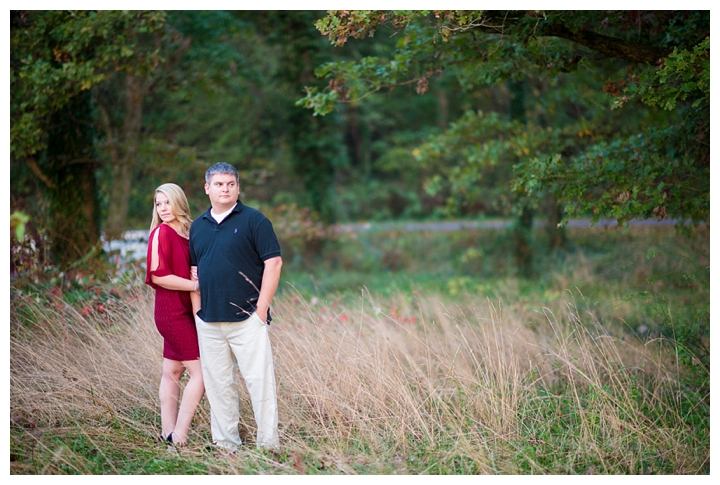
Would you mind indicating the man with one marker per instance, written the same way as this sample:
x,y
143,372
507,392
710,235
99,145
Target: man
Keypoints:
x,y
235,255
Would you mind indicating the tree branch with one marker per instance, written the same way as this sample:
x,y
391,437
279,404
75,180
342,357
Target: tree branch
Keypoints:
x,y
610,46
35,169
494,23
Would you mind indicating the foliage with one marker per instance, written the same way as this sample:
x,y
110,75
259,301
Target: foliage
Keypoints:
x,y
637,164
487,145
57,58
230,98
301,233
17,224
617,110
663,170
484,47
684,74
55,55
315,145
633,177
28,252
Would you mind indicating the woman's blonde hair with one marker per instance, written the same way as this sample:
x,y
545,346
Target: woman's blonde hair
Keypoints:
x,y
178,204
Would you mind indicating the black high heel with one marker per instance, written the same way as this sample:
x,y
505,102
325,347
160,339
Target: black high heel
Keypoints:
x,y
169,438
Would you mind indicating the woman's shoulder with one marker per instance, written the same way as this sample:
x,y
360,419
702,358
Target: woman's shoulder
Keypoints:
x,y
160,229
172,230
155,231
165,231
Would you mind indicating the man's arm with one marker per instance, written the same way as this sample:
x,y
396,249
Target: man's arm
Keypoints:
x,y
194,295
270,281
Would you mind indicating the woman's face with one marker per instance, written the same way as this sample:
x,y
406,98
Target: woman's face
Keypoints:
x,y
162,205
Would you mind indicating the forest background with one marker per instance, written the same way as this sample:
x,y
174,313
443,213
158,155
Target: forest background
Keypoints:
x,y
430,115
348,127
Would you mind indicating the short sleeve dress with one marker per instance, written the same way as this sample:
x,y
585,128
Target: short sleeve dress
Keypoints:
x,y
174,317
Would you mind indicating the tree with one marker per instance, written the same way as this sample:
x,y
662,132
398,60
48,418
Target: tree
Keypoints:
x,y
120,99
641,164
315,144
56,58
122,58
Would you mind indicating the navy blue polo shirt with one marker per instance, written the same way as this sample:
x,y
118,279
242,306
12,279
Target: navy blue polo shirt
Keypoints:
x,y
230,260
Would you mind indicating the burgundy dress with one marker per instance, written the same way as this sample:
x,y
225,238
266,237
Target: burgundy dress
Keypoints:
x,y
173,309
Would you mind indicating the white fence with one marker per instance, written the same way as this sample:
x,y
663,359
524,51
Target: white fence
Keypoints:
x,y
132,247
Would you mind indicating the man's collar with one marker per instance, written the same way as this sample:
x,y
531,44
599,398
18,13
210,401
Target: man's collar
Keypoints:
x,y
238,208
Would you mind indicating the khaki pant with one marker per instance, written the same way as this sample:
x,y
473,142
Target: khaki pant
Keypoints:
x,y
246,344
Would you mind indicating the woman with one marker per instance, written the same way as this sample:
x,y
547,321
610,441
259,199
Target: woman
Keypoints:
x,y
168,272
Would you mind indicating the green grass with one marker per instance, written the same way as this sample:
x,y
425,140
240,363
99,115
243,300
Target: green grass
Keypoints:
x,y
598,365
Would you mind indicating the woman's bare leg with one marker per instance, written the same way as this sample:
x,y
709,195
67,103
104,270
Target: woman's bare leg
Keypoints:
x,y
170,394
193,393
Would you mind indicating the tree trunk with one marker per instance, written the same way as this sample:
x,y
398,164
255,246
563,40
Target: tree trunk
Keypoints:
x,y
522,233
74,205
125,151
557,236
356,143
74,213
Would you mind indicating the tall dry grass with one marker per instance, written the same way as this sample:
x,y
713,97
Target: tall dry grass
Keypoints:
x,y
401,384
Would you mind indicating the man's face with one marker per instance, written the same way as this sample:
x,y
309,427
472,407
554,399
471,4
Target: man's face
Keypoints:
x,y
223,190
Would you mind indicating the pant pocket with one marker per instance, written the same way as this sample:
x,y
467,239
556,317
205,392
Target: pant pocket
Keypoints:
x,y
257,318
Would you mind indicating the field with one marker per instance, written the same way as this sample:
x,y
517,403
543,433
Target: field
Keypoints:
x,y
404,353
